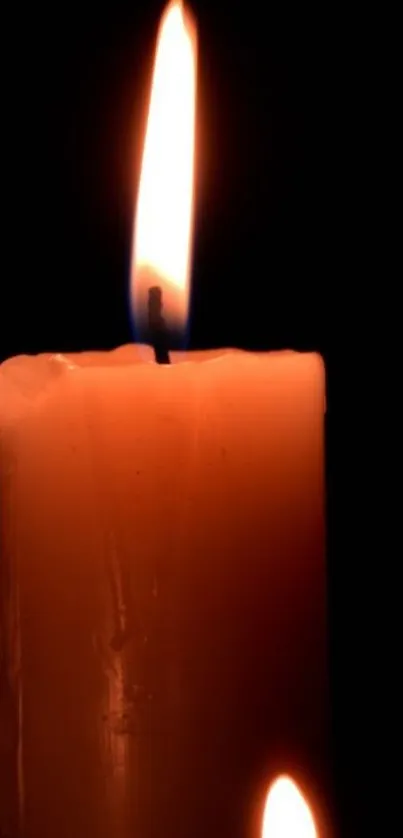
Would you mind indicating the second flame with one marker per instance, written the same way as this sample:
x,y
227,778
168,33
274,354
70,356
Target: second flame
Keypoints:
x,y
287,814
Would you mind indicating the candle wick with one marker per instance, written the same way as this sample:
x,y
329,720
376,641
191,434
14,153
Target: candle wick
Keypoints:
x,y
157,325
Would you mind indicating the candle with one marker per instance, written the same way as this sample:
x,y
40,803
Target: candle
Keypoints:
x,y
162,578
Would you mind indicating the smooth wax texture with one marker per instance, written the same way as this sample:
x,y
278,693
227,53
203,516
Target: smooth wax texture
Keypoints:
x,y
162,584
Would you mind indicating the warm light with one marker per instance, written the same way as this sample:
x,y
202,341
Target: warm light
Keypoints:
x,y
287,814
164,218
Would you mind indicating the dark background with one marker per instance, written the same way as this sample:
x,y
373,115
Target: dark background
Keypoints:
x,y
272,240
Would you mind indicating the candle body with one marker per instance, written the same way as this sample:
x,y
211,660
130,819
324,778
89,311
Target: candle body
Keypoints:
x,y
163,591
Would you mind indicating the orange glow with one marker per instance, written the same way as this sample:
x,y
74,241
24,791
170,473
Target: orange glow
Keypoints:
x,y
287,814
162,238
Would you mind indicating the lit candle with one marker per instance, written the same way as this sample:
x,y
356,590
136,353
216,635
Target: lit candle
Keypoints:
x,y
162,579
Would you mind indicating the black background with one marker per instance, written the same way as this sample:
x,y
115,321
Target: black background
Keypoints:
x,y
272,258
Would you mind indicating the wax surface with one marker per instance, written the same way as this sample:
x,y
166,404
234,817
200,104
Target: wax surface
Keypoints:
x,y
162,590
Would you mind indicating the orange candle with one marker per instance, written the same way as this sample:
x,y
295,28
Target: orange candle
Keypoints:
x,y
162,578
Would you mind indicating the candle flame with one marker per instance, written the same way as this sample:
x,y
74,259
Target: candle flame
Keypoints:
x,y
164,217
287,814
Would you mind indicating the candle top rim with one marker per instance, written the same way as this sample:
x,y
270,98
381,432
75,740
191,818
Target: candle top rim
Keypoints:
x,y
27,380
134,354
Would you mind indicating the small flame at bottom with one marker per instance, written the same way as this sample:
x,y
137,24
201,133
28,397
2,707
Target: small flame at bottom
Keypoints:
x,y
287,814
